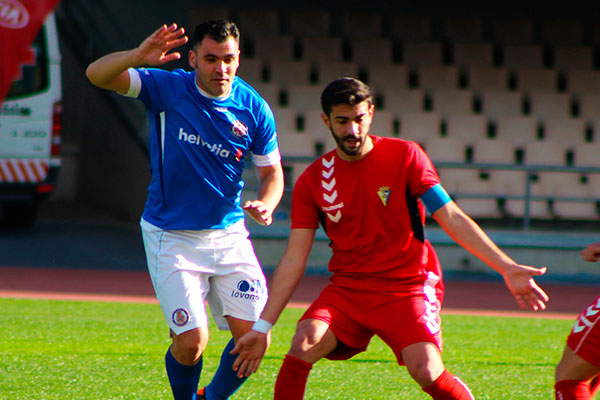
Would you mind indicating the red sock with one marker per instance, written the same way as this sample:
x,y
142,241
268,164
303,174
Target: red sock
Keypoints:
x,y
448,387
572,389
594,385
291,380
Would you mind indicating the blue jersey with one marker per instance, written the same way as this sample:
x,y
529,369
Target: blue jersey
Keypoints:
x,y
198,146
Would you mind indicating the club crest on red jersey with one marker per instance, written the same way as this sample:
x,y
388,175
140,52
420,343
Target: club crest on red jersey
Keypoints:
x,y
384,194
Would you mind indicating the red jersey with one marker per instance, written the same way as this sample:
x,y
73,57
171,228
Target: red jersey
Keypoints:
x,y
370,211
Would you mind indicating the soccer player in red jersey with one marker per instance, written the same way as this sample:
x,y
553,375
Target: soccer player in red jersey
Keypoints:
x,y
577,373
367,194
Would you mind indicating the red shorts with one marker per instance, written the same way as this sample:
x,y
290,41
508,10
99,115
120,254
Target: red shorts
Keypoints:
x,y
584,339
355,315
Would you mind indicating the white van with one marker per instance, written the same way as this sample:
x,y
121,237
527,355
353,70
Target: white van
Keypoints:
x,y
30,132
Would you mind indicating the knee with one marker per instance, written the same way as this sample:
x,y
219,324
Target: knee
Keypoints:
x,y
188,347
301,342
425,374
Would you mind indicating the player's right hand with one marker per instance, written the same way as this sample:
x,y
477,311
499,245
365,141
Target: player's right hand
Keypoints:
x,y
591,253
251,349
155,49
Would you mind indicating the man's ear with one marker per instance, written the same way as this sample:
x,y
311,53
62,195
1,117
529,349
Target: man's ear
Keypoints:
x,y
192,59
325,119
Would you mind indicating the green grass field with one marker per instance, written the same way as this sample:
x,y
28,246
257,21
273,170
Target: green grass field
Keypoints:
x,y
92,350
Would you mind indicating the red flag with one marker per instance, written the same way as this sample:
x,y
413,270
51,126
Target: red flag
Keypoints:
x,y
20,21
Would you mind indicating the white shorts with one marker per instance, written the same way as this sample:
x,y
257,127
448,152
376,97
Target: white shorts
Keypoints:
x,y
189,268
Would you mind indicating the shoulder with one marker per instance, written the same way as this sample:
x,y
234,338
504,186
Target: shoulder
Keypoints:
x,y
397,145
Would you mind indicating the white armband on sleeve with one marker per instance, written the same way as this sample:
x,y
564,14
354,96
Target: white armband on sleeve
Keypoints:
x,y
135,83
266,160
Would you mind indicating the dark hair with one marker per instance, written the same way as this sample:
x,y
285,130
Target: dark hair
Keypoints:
x,y
349,91
218,30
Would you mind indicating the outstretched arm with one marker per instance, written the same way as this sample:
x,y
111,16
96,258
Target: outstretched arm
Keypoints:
x,y
269,194
518,278
252,346
110,71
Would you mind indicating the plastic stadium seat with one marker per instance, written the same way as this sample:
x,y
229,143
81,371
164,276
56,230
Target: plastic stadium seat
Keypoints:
x,y
545,154
452,102
285,120
304,97
269,92
403,101
498,104
419,127
468,127
251,70
485,79
512,30
573,57
197,15
434,77
255,22
508,180
322,49
473,54
274,48
561,32
484,207
462,29
536,80
550,105
287,73
310,23
569,132
451,177
327,72
518,130
296,144
383,124
589,106
580,82
574,202
587,155
372,51
422,53
441,149
361,25
493,151
388,77
314,126
538,207
522,56
410,28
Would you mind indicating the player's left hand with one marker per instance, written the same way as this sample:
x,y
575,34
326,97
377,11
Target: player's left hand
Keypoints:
x,y
251,349
521,284
259,212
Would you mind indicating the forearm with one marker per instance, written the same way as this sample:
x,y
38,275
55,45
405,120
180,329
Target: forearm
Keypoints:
x,y
282,287
271,187
467,233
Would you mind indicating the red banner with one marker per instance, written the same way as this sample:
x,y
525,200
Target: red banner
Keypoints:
x,y
20,21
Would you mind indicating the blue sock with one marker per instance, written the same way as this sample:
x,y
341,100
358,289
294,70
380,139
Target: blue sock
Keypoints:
x,y
183,378
225,382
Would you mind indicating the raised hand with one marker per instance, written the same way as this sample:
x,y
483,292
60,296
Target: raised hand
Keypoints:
x,y
156,48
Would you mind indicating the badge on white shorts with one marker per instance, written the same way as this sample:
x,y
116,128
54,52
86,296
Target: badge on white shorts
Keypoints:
x,y
181,317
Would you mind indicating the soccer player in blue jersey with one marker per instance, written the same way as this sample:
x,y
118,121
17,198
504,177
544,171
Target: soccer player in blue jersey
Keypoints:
x,y
204,124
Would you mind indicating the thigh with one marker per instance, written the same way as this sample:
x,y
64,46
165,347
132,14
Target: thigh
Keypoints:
x,y
584,338
572,366
345,311
407,321
180,287
238,287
